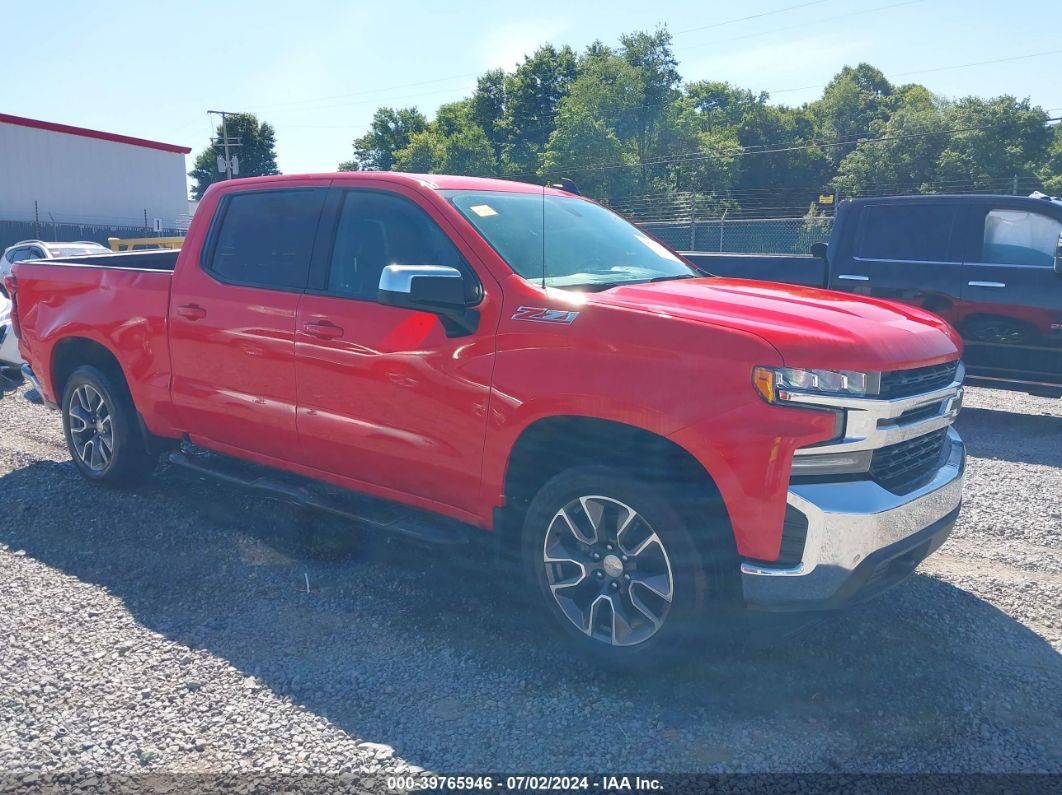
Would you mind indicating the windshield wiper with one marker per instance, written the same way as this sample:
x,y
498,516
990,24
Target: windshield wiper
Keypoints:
x,y
673,277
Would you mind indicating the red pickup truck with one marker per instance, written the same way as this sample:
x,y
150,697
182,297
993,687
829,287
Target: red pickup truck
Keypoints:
x,y
435,355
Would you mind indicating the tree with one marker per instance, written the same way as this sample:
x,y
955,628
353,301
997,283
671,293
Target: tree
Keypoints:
x,y
389,131
422,155
657,79
906,159
586,149
453,144
488,110
800,170
1051,173
533,93
722,105
257,153
992,142
852,104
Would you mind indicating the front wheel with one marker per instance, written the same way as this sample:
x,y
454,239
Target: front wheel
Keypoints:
x,y
616,567
100,425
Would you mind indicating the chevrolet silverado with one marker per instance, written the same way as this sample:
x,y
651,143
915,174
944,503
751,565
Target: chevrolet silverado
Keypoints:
x,y
436,356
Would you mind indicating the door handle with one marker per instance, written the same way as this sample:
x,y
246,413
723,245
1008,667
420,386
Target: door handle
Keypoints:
x,y
853,277
191,311
987,284
322,329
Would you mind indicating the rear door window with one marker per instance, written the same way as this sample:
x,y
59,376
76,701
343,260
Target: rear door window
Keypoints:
x,y
1019,237
265,238
912,232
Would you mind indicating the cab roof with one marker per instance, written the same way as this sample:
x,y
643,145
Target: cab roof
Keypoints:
x,y
430,181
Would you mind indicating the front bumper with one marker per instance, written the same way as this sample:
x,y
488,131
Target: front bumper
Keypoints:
x,y
861,538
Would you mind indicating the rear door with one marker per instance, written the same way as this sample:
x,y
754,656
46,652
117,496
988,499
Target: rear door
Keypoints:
x,y
1012,299
904,251
232,321
386,398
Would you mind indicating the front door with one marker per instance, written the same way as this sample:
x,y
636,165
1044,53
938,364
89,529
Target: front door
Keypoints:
x,y
909,252
385,398
1012,298
232,322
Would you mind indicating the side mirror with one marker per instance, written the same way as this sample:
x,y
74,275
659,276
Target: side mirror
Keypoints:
x,y
1058,256
438,289
819,250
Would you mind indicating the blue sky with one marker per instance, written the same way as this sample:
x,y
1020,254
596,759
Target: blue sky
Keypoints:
x,y
318,72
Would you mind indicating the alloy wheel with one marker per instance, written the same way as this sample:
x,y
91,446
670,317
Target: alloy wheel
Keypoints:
x,y
608,570
91,427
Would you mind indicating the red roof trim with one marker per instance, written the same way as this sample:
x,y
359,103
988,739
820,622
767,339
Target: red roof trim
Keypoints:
x,y
86,133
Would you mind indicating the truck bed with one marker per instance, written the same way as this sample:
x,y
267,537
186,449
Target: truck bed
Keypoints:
x,y
117,301
156,260
788,268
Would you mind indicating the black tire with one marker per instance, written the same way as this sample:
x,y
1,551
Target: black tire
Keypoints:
x,y
126,459
701,607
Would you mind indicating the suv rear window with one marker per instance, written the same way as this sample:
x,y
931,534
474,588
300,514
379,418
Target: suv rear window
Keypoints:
x,y
265,238
918,232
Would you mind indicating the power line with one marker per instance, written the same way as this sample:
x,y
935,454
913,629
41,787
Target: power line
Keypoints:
x,y
803,24
751,16
939,69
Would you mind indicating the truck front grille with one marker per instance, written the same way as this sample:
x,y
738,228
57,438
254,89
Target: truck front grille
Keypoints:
x,y
900,467
904,383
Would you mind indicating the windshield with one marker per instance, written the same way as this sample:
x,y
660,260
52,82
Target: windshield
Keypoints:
x,y
586,246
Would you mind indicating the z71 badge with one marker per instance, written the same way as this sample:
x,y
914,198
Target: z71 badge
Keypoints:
x,y
537,314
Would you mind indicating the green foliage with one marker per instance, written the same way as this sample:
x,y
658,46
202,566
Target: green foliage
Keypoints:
x,y
1051,172
257,153
389,131
619,121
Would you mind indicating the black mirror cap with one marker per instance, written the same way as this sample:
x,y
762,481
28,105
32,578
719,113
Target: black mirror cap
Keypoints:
x,y
1058,257
820,249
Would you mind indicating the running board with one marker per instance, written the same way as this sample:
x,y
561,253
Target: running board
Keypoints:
x,y
378,514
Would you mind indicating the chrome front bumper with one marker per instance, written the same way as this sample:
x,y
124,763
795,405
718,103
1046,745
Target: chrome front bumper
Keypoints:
x,y
860,538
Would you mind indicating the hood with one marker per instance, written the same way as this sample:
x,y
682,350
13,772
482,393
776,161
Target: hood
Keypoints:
x,y
809,327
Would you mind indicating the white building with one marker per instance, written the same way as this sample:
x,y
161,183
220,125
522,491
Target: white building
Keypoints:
x,y
88,177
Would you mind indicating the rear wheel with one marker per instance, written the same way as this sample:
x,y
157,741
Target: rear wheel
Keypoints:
x,y
100,425
616,567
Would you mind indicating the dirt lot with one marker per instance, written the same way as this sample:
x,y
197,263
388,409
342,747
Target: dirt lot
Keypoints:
x,y
175,628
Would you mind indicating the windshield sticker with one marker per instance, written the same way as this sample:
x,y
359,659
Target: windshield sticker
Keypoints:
x,y
538,314
483,210
656,248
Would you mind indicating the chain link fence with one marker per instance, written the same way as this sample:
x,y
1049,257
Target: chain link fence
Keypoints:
x,y
738,235
12,232
743,235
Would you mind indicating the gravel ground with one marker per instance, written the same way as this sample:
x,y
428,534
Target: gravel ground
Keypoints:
x,y
176,629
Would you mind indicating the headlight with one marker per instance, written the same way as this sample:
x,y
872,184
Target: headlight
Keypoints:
x,y
775,384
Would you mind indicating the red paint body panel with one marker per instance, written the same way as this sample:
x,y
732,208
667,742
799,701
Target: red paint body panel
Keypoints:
x,y
393,407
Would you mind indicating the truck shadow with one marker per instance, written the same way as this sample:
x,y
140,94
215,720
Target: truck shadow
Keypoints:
x,y
425,650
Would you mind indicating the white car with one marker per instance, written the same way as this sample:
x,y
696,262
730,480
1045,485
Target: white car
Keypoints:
x,y
38,249
9,355
10,360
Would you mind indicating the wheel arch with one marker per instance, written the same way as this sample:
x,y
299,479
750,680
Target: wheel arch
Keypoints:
x,y
70,353
551,445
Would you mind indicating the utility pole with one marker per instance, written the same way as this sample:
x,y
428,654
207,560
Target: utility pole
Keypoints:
x,y
226,142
